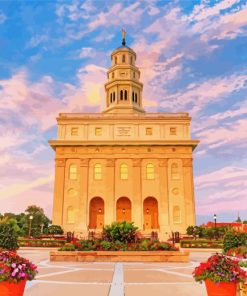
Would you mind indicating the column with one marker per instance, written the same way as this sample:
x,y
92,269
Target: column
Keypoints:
x,y
58,201
136,211
110,207
189,191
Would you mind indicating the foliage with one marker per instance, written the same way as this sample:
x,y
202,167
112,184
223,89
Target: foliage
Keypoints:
x,y
242,264
207,232
201,243
219,268
8,237
40,243
234,240
120,231
87,245
105,245
68,247
14,268
55,229
239,252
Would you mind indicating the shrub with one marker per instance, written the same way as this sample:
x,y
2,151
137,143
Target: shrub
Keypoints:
x,y
124,232
68,247
8,237
234,240
88,245
55,229
105,245
144,244
40,242
200,244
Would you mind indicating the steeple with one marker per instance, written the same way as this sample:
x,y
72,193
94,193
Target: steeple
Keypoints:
x,y
123,89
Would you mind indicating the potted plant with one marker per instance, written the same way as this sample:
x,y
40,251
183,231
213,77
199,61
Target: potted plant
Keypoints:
x,y
221,275
14,272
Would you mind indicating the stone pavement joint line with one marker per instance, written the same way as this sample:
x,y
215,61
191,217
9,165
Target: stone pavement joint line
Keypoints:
x,y
117,285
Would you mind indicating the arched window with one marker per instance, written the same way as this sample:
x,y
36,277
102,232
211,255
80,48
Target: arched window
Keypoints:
x,y
73,172
133,97
114,96
115,60
136,97
121,95
125,95
123,171
123,58
70,215
176,214
175,171
150,171
97,171
111,98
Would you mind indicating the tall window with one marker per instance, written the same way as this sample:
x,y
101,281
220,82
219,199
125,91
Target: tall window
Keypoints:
x,y
70,215
136,97
176,214
133,97
121,95
131,60
150,171
114,96
97,171
125,95
175,171
123,171
123,58
111,98
73,171
115,60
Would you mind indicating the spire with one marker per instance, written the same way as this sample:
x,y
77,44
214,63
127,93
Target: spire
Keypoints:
x,y
123,37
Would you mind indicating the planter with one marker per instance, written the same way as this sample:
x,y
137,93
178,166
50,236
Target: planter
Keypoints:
x,y
12,289
221,289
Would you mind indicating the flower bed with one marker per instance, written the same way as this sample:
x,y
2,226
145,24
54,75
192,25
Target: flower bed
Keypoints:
x,y
40,243
201,244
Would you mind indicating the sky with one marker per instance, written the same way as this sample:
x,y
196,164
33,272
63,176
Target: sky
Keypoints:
x,y
54,56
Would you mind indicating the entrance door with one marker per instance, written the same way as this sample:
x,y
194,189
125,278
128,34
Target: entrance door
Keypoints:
x,y
123,209
150,213
96,213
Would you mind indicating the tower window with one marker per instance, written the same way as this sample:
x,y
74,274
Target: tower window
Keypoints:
x,y
115,60
98,131
134,74
73,172
133,97
112,75
149,131
136,97
125,95
123,171
111,98
121,95
123,58
114,96
131,60
150,171
97,171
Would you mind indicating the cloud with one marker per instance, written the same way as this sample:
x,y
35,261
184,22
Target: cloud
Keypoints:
x,y
3,18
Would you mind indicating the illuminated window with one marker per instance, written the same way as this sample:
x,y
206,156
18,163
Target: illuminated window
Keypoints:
x,y
173,131
123,171
70,215
175,171
74,131
176,215
97,171
149,131
98,131
73,172
150,171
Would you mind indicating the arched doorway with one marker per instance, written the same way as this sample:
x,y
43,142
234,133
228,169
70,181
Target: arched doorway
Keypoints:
x,y
150,213
123,209
96,213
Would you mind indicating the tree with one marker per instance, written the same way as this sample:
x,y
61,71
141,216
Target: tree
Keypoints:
x,y
55,229
8,237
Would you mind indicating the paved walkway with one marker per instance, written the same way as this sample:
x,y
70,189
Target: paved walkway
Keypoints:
x,y
113,279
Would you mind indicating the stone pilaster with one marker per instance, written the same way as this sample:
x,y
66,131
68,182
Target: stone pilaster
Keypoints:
x,y
136,211
110,207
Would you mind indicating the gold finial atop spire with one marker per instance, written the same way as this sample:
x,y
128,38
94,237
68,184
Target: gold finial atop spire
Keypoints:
x,y
123,36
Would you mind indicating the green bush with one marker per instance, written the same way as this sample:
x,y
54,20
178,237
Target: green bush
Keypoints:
x,y
105,245
40,243
55,229
124,232
233,240
201,243
8,237
144,245
68,247
88,245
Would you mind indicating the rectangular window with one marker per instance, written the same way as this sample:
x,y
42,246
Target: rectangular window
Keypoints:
x,y
173,131
74,131
149,131
98,131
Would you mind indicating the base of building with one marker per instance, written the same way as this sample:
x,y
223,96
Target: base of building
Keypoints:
x,y
119,256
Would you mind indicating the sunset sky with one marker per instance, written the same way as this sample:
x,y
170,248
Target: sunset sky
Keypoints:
x,y
192,55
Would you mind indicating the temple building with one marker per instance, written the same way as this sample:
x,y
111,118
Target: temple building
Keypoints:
x,y
124,164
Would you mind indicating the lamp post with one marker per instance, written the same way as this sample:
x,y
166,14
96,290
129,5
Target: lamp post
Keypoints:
x,y
215,218
30,224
